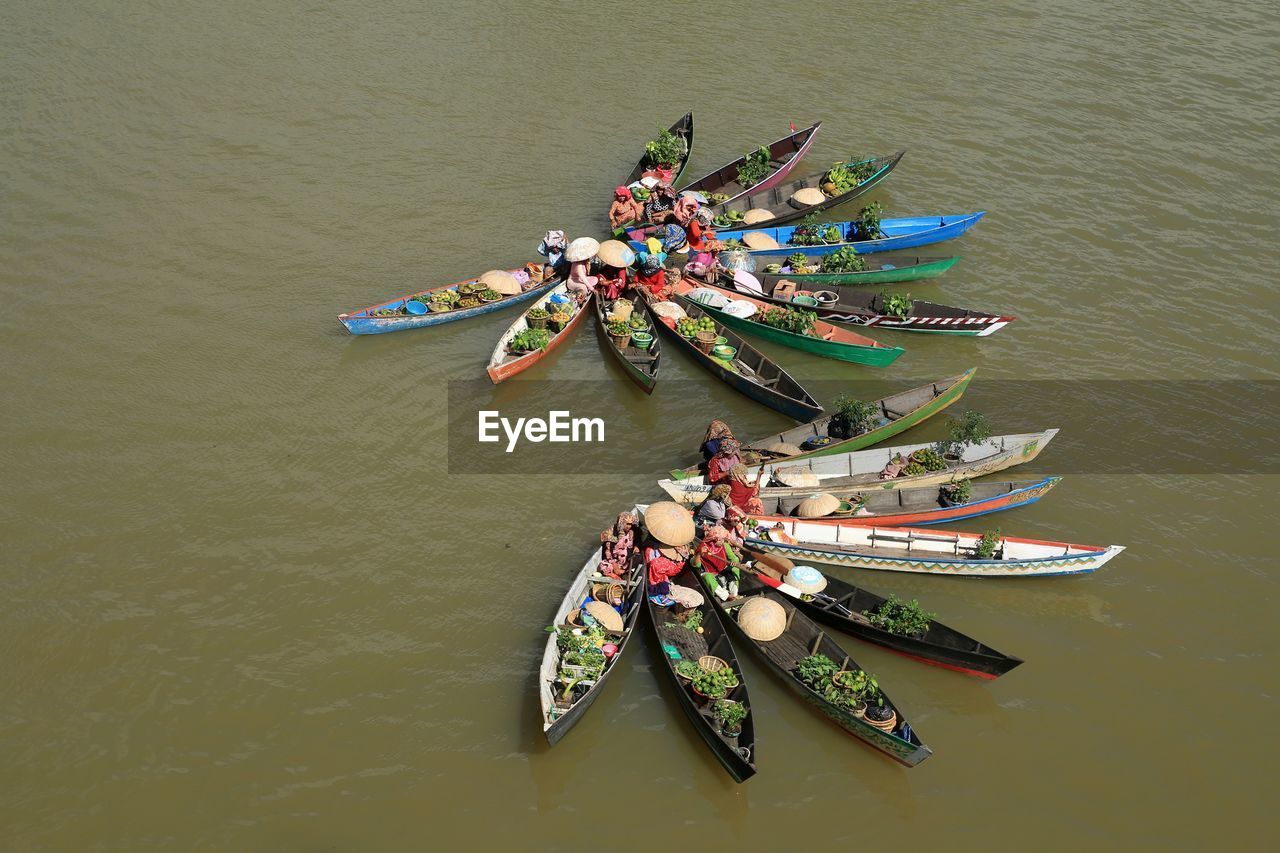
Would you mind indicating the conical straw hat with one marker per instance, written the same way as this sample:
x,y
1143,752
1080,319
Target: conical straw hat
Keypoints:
x,y
807,579
762,619
808,196
757,214
816,506
669,523
503,282
759,240
604,614
582,249
615,253
796,477
784,448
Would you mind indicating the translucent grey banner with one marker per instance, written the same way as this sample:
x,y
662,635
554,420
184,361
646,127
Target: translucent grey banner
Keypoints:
x,y
1106,427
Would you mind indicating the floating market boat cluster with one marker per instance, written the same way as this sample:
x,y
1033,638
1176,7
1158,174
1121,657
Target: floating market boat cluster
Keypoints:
x,y
741,253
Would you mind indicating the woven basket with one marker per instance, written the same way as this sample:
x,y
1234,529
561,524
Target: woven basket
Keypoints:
x,y
607,592
705,341
711,663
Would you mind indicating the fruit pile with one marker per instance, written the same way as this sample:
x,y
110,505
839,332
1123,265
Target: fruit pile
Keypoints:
x,y
690,326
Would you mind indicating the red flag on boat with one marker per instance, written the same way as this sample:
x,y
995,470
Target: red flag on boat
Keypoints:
x,y
793,125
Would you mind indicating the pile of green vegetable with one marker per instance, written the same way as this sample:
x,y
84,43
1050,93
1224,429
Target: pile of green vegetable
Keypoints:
x,y
900,617
929,459
810,232
819,673
795,320
845,259
896,305
667,150
690,326
755,168
716,685
867,225
528,340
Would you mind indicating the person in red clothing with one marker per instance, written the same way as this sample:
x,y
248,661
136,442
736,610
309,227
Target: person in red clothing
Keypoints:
x,y
650,273
743,492
722,463
721,566
616,546
610,282
699,231
663,563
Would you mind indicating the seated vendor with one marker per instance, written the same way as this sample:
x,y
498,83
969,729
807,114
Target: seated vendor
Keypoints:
x,y
725,459
717,431
743,491
663,563
650,273
662,201
616,544
720,565
611,282
625,209
713,509
552,248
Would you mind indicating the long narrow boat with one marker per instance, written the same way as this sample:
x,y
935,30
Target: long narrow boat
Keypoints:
x,y
736,754
393,316
556,721
776,200
884,268
784,155
503,363
640,365
899,412
845,607
802,638
825,340
683,129
918,506
749,371
852,473
933,552
899,233
864,308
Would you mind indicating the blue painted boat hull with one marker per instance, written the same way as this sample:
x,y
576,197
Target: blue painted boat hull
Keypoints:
x,y
902,233
360,323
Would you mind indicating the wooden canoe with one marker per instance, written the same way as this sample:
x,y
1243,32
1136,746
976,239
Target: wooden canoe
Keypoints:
x,y
899,412
682,129
751,372
736,754
844,606
934,552
900,233
777,199
851,473
827,341
557,721
804,637
866,308
883,268
920,505
784,155
641,366
366,322
503,364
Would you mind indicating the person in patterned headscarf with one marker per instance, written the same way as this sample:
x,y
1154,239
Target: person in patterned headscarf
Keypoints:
x,y
616,545
723,462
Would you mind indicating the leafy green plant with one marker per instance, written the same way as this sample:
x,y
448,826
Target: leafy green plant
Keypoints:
x,y
987,544
895,304
807,233
853,417
906,618
755,168
816,669
845,259
538,314
667,150
959,491
528,340
730,715
867,225
860,683
795,320
687,668
969,429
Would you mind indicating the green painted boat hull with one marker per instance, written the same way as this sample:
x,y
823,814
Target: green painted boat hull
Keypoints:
x,y
875,436
893,276
881,356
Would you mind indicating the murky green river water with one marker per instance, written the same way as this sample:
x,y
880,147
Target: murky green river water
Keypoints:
x,y
249,599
